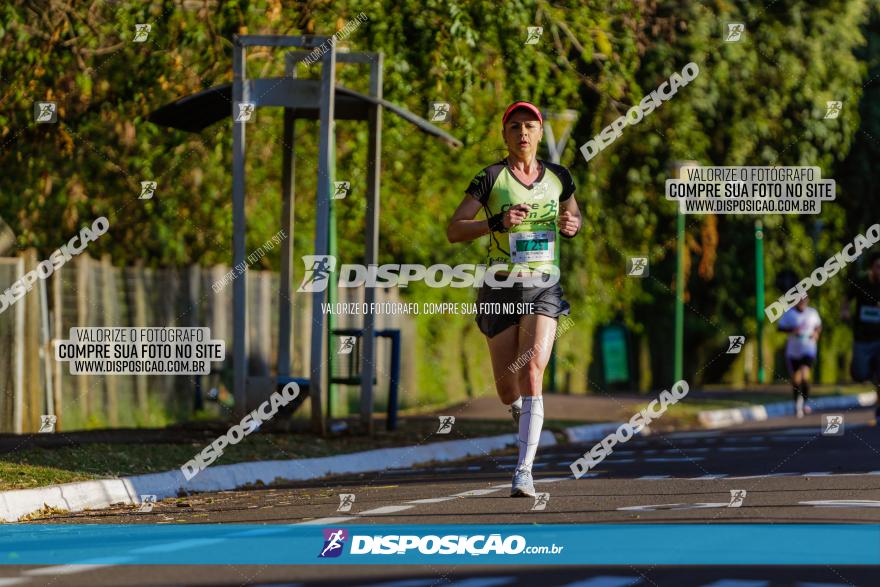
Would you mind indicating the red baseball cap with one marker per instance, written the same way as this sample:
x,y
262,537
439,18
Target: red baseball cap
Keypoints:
x,y
516,106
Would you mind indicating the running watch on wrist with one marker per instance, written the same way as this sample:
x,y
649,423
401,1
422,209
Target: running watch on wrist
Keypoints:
x,y
496,223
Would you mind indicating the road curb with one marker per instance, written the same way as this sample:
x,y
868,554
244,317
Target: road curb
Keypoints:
x,y
101,493
713,419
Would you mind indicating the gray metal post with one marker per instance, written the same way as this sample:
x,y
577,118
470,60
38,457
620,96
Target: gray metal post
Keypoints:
x,y
556,148
239,227
322,227
288,172
374,168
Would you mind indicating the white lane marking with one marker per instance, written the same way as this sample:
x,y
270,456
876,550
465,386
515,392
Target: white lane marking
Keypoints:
x,y
742,448
432,500
327,521
708,477
673,506
557,479
606,581
817,474
478,492
12,581
765,476
650,477
535,466
737,583
673,459
63,570
178,545
386,509
613,461
843,503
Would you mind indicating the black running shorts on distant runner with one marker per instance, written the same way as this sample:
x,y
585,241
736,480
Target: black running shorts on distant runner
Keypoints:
x,y
492,320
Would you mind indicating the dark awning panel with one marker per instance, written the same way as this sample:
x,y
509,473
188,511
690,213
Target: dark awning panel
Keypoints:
x,y
199,111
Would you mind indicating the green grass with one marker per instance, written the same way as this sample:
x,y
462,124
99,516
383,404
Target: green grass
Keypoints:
x,y
39,467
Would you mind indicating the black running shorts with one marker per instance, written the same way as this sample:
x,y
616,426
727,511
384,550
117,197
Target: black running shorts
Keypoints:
x,y
499,309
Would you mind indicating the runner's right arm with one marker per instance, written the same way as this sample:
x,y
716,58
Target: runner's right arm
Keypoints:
x,y
463,227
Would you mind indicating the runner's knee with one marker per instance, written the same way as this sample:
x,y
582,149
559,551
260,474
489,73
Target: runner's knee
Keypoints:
x,y
530,377
508,392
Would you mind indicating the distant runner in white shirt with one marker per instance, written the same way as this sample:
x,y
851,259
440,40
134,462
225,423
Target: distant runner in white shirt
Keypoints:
x,y
803,325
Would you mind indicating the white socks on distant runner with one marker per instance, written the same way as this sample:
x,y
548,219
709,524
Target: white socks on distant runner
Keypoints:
x,y
530,423
518,403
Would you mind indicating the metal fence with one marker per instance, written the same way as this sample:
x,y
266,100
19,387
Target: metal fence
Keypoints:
x,y
90,292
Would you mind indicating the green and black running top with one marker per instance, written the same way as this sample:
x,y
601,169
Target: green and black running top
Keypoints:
x,y
534,243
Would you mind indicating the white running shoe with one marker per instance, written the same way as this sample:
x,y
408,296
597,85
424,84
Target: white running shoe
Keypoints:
x,y
523,486
799,406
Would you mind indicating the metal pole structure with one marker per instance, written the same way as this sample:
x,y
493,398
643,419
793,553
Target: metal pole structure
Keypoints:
x,y
239,227
678,364
759,295
555,149
679,297
332,290
322,225
285,302
371,252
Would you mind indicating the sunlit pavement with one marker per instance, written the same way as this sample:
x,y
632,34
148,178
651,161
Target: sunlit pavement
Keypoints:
x,y
786,471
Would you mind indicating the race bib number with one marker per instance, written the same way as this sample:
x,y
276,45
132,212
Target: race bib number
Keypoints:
x,y
526,247
870,314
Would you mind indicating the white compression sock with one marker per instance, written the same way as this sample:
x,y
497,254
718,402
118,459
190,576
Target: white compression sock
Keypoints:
x,y
530,423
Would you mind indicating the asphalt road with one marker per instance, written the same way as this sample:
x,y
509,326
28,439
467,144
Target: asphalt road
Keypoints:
x,y
789,473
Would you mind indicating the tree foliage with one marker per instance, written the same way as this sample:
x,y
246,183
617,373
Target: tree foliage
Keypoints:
x,y
757,102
